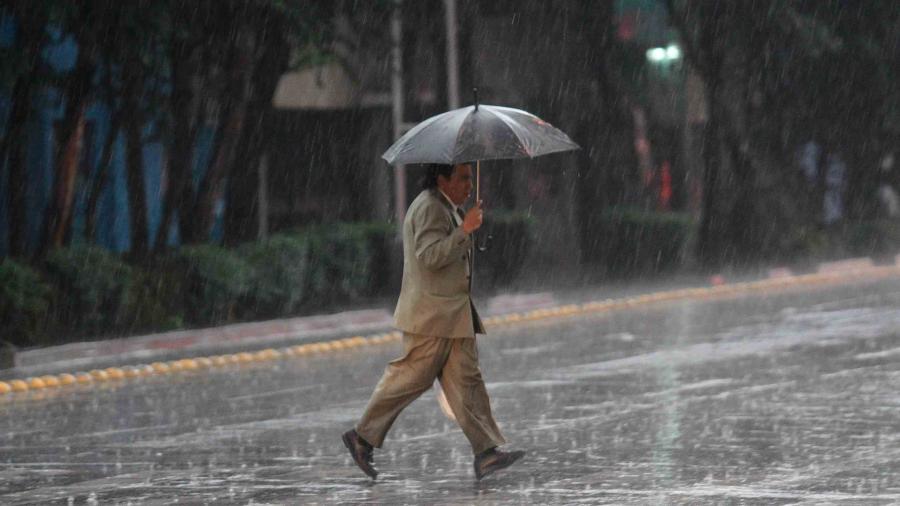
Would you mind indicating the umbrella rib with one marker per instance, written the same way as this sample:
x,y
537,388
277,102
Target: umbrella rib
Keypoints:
x,y
504,110
509,121
423,126
514,126
417,130
459,132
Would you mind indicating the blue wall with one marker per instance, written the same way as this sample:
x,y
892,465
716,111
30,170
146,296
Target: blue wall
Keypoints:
x,y
113,227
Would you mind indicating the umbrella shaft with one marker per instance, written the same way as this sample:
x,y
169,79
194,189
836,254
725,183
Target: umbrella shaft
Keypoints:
x,y
477,181
474,242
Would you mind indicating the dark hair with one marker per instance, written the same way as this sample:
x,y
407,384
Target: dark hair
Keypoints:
x,y
432,171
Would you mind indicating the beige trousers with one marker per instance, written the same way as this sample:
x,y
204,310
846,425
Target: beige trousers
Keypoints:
x,y
454,361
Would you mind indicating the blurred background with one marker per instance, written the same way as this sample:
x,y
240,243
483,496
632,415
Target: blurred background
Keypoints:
x,y
185,163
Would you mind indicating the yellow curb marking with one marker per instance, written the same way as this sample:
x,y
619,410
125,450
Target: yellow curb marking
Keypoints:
x,y
115,373
99,375
51,381
160,368
35,383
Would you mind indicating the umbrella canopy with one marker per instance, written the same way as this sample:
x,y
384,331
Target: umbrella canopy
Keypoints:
x,y
478,132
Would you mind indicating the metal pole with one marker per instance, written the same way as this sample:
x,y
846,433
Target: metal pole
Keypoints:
x,y
452,103
397,101
263,208
452,54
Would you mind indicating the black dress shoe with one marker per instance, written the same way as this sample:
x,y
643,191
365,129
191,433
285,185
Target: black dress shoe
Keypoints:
x,y
361,451
494,460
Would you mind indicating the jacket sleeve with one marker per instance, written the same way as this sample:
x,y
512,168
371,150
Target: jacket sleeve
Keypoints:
x,y
434,248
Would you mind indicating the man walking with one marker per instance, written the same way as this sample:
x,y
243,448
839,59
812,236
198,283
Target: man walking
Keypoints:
x,y
439,323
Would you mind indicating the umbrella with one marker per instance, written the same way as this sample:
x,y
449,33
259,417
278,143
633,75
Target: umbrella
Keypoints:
x,y
475,133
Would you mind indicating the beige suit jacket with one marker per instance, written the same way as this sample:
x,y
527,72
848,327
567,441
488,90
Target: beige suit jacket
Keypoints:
x,y
434,295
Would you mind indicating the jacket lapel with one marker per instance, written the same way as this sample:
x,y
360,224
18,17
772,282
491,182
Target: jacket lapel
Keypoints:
x,y
449,207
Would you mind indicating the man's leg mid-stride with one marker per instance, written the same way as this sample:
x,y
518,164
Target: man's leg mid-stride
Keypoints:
x,y
468,398
404,380
455,362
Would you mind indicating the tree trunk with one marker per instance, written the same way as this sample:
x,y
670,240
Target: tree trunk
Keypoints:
x,y
603,119
185,110
242,189
242,193
31,37
101,178
706,244
745,230
65,182
211,185
134,159
68,150
704,52
618,108
240,69
16,182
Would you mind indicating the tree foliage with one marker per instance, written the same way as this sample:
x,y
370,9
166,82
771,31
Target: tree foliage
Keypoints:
x,y
166,70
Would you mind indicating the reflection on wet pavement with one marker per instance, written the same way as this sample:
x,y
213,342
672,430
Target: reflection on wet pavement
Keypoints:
x,y
789,399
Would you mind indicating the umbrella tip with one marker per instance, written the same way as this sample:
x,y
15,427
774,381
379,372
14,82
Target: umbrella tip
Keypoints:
x,y
475,92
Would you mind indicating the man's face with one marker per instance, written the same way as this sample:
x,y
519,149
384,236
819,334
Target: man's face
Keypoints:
x,y
459,185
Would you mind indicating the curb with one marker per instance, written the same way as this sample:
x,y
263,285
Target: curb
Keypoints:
x,y
202,341
233,337
827,274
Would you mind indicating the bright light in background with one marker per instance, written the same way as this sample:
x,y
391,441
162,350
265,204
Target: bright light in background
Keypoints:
x,y
673,52
656,54
664,54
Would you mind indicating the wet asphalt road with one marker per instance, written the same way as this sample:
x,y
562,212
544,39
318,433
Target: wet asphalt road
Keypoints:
x,y
785,399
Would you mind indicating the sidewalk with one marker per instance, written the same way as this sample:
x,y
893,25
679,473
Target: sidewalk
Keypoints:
x,y
253,336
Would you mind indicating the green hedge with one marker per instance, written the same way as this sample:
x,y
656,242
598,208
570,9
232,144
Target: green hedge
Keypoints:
x,y
879,239
81,291
282,275
343,253
344,261
876,238
215,282
24,304
155,302
628,242
90,290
